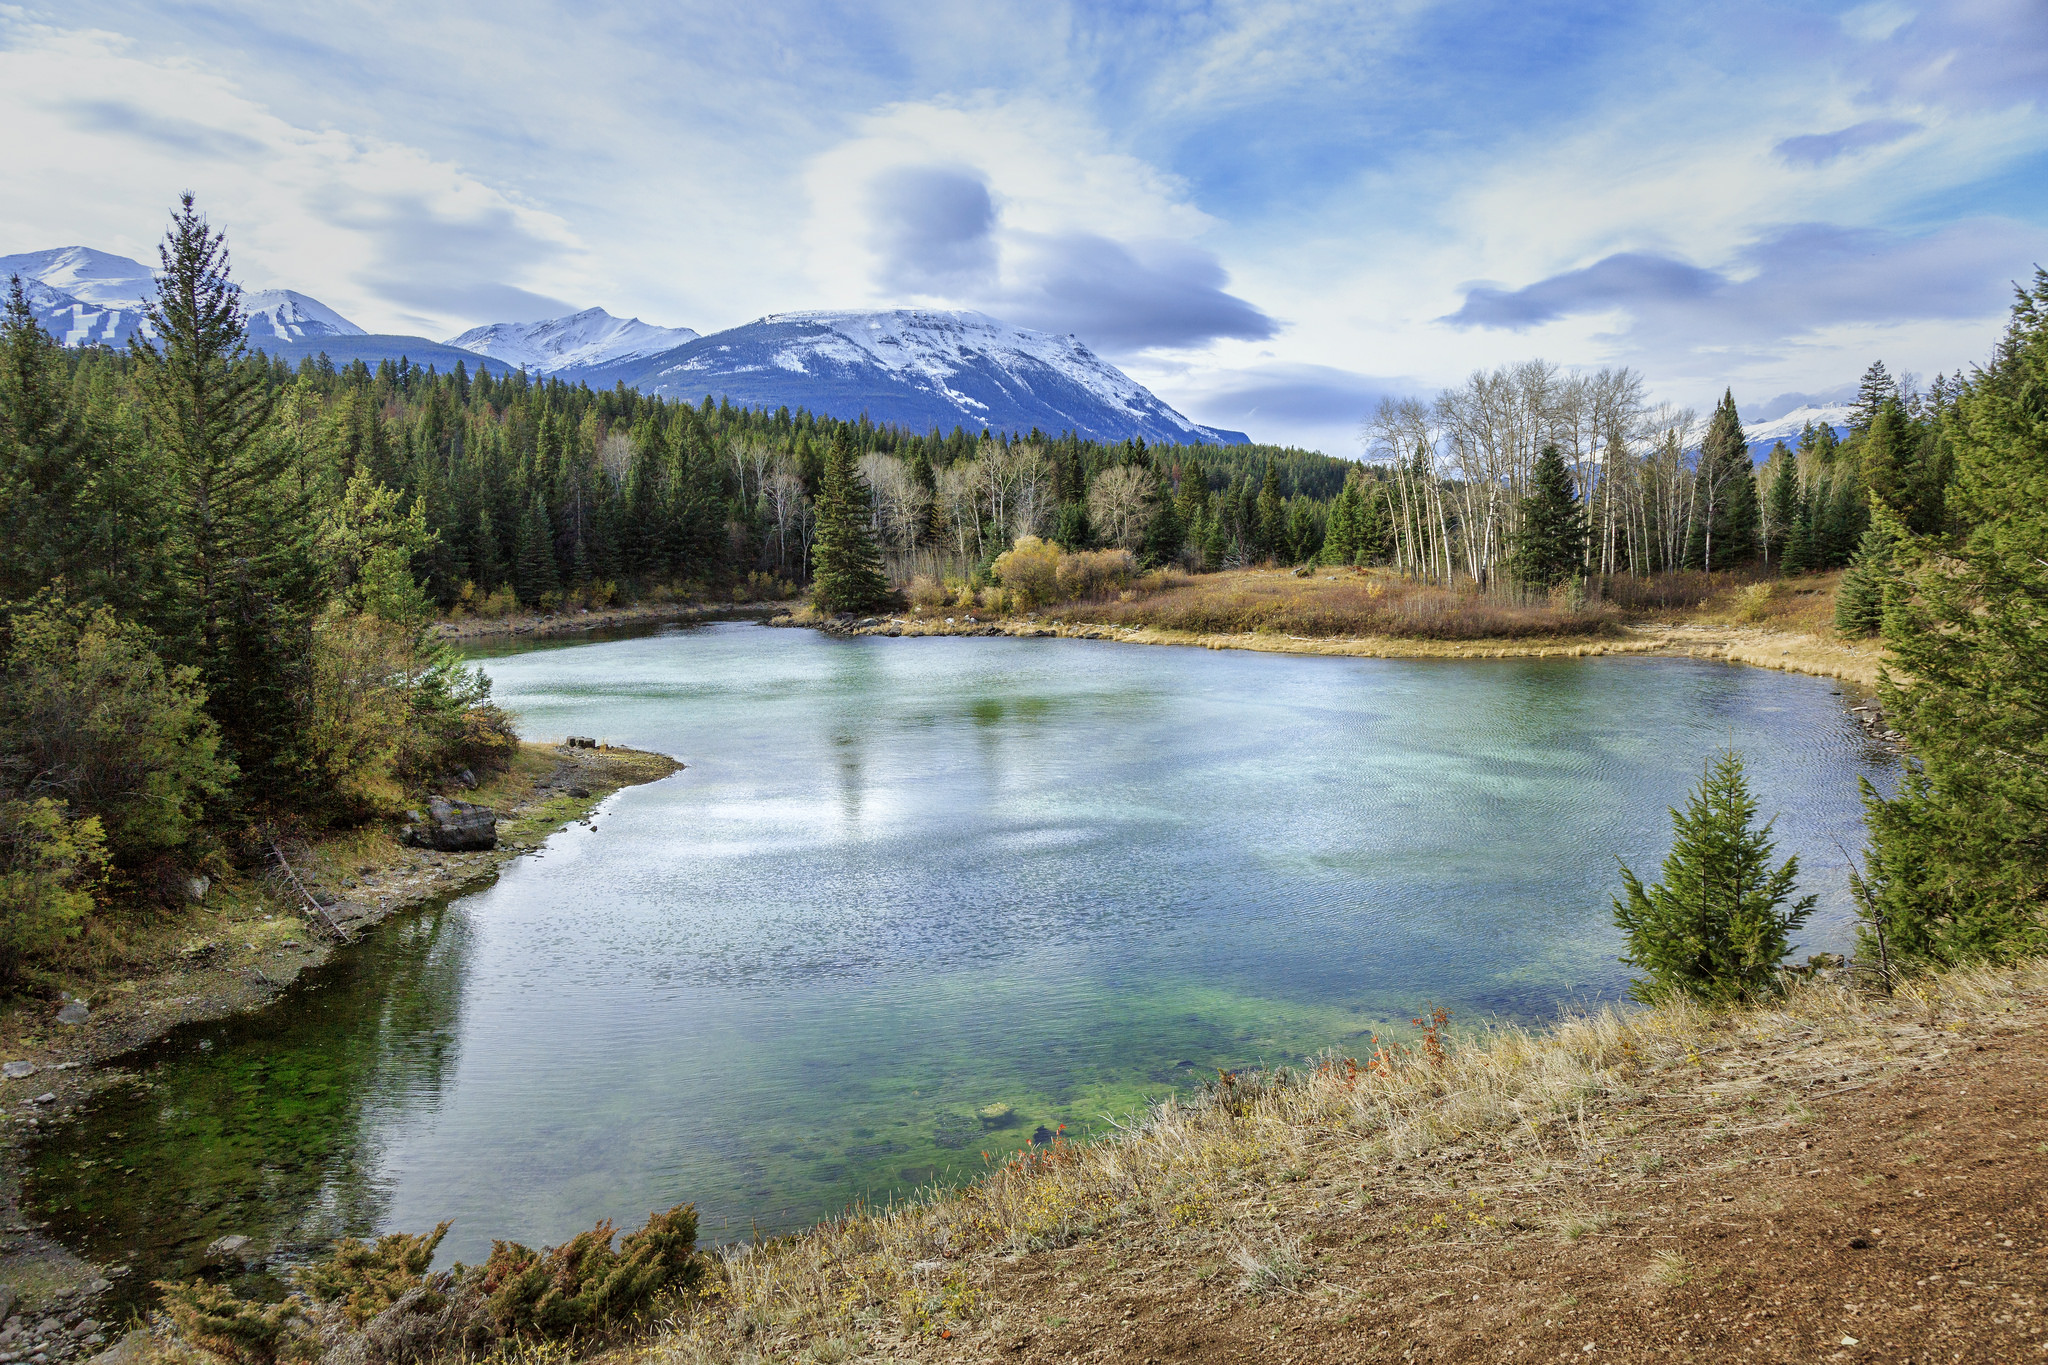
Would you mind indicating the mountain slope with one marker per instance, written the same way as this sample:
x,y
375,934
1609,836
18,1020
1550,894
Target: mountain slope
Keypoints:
x,y
582,340
918,369
85,275
1763,435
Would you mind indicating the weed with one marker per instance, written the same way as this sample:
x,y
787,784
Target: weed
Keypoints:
x,y
1279,1268
1670,1269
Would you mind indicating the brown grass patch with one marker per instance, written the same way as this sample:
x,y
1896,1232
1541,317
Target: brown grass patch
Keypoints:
x,y
1341,603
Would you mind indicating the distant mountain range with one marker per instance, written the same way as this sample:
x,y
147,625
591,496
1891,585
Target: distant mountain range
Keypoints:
x,y
916,368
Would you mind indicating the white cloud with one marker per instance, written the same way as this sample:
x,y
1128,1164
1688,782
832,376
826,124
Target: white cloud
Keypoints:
x,y
388,234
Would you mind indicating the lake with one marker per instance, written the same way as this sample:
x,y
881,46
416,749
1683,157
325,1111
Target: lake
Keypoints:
x,y
903,880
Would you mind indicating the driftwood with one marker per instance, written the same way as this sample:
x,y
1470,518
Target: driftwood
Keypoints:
x,y
311,902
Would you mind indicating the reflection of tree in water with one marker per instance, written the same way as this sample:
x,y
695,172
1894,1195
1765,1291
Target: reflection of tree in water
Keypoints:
x,y
263,1125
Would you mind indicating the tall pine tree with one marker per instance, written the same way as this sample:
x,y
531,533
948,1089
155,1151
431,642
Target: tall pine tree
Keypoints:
x,y
1725,516
1551,544
846,565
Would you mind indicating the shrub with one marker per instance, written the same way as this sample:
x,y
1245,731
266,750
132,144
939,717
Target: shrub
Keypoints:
x,y
91,717
584,1282
1712,928
926,593
213,1316
50,868
365,1278
1030,570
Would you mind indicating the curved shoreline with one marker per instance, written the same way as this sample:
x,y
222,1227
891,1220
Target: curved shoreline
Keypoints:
x,y
244,966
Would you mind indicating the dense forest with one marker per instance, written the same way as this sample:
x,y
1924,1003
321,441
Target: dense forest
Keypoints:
x,y
218,572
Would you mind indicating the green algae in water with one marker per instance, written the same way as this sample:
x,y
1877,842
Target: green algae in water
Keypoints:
x,y
903,880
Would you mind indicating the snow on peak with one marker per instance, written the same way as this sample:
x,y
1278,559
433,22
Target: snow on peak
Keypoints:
x,y
1788,427
591,337
921,368
88,276
288,315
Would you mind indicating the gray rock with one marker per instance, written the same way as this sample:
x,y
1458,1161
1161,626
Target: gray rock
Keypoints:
x,y
459,826
226,1248
131,1349
47,1097
8,1298
74,1012
196,889
15,1071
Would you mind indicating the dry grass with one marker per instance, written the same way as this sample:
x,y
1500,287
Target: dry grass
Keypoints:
x,y
1544,1111
1338,603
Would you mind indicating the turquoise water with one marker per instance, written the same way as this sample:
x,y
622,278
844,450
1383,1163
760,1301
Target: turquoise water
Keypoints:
x,y
900,880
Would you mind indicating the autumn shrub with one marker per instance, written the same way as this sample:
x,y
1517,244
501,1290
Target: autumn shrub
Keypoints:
x,y
51,866
584,1282
1350,606
91,718
216,1318
926,593
1030,570
1095,573
363,1279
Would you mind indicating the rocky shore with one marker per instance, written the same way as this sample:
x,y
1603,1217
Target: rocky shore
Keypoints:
x,y
250,939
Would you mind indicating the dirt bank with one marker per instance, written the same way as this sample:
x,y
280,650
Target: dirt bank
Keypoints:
x,y
1843,1177
249,941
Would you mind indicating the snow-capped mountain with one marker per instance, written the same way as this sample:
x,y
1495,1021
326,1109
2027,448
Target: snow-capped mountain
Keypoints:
x,y
86,275
1763,435
580,341
919,369
288,315
85,297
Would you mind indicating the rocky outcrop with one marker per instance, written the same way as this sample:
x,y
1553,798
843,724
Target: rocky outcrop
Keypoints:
x,y
455,827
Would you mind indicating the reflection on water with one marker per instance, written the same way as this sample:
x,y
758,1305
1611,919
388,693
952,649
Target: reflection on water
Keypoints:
x,y
901,880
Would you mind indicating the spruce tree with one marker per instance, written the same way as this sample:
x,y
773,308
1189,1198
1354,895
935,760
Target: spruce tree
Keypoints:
x,y
1876,388
243,580
1712,929
846,565
1725,513
1958,865
1783,505
1551,545
44,458
534,577
1859,601
1269,539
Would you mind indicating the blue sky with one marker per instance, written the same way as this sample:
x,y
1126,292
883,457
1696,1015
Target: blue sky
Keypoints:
x,y
1271,213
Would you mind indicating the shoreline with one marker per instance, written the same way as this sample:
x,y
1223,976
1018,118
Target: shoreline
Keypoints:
x,y
252,943
545,625
1784,651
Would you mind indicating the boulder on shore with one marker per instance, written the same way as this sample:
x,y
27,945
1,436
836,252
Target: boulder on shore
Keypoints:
x,y
456,827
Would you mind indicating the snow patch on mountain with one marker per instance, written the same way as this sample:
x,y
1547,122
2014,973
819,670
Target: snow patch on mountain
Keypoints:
x,y
288,315
581,340
1788,427
88,276
922,368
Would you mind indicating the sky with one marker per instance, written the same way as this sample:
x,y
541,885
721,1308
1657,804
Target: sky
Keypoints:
x,y
1273,214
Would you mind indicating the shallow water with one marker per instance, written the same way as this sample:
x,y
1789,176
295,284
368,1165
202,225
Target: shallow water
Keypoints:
x,y
903,879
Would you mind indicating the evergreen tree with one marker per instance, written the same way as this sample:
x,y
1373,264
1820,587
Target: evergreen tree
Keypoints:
x,y
244,583
44,462
1712,928
1859,601
1785,505
1340,533
1269,534
846,566
1725,513
1801,554
1958,865
1876,388
534,577
1551,545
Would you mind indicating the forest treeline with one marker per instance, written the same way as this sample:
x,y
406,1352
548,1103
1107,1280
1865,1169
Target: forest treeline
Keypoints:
x,y
218,570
